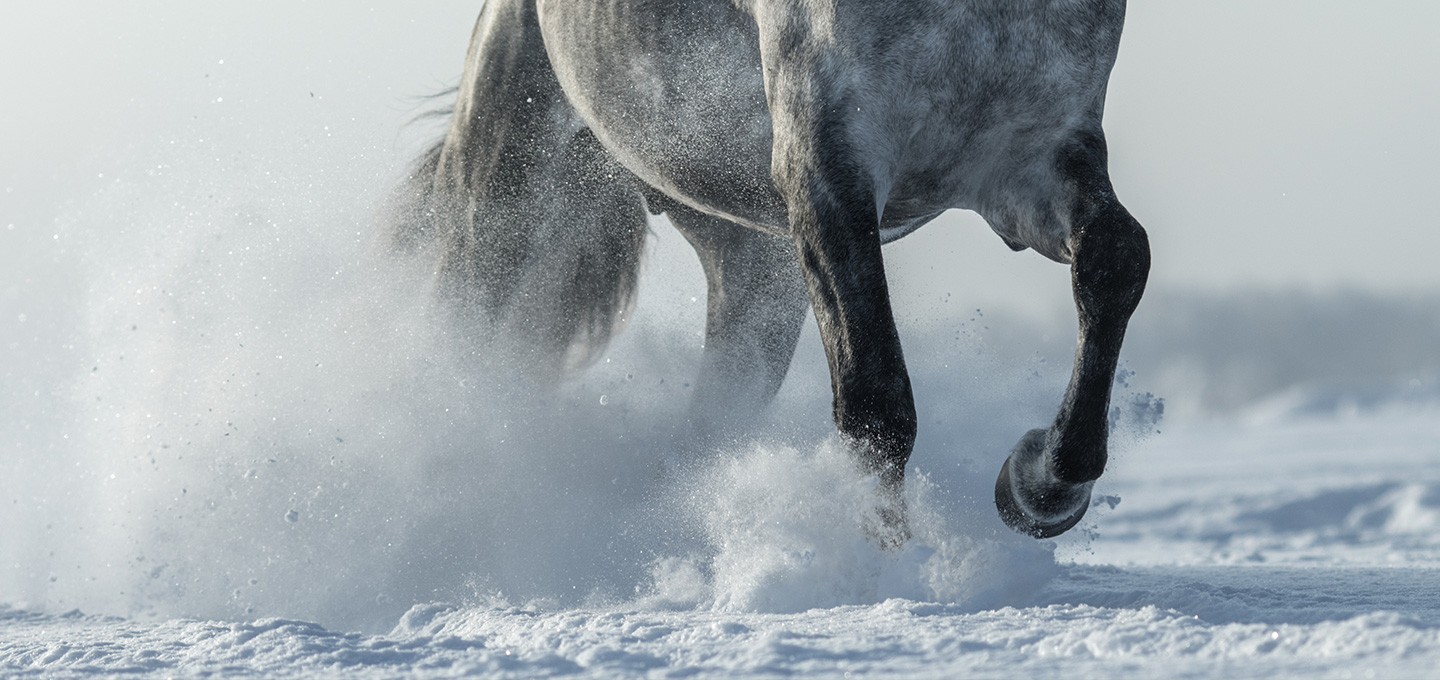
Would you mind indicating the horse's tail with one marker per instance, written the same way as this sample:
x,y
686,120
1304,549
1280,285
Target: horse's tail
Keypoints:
x,y
535,231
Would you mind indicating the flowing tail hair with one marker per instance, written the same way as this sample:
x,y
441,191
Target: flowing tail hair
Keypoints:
x,y
534,231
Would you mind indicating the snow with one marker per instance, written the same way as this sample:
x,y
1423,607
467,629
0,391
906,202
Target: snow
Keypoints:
x,y
1091,621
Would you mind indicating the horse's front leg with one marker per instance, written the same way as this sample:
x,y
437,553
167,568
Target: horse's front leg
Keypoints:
x,y
833,209
1044,487
836,231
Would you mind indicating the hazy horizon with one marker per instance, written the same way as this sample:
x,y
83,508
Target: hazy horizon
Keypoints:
x,y
1275,144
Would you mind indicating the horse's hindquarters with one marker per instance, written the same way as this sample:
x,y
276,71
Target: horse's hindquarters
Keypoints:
x,y
674,90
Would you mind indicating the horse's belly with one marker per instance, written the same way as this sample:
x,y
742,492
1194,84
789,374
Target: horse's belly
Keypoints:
x,y
1008,173
969,112
675,92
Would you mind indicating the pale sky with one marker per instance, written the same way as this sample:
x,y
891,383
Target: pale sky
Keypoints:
x,y
1261,142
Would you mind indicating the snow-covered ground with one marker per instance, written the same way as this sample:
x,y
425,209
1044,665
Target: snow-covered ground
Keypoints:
x,y
1291,548
255,453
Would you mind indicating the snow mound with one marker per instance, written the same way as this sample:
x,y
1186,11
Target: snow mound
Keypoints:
x,y
784,531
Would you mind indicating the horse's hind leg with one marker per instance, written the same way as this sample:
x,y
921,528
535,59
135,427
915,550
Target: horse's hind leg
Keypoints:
x,y
1044,487
755,308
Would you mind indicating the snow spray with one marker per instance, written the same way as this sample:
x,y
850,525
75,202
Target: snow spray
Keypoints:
x,y
261,415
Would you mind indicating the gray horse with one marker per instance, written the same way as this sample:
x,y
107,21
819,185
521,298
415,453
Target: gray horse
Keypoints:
x,y
787,140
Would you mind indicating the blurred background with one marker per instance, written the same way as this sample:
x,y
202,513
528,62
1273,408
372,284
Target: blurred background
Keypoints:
x,y
1281,154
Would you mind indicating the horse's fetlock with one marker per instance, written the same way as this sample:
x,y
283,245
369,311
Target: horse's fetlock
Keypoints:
x,y
1088,469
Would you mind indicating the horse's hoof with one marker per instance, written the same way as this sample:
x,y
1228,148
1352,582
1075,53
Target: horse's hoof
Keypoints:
x,y
1030,499
893,530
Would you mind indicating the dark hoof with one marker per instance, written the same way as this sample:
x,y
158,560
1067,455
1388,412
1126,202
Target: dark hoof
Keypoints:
x,y
894,529
889,527
1030,499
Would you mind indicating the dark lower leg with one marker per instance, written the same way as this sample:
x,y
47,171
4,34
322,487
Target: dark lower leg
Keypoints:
x,y
1112,262
874,408
1044,487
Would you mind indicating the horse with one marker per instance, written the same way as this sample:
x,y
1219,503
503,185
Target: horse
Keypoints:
x,y
787,140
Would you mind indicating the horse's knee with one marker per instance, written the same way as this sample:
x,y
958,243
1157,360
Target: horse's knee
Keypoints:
x,y
1111,264
1110,253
